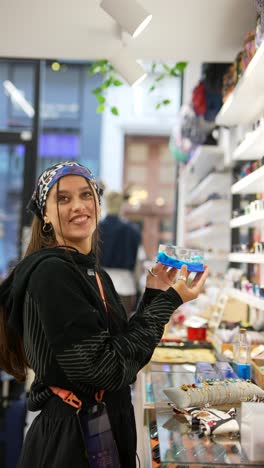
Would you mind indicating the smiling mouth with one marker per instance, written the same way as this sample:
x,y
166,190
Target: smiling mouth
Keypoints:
x,y
80,219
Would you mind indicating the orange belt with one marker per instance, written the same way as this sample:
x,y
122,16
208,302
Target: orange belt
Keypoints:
x,y
68,397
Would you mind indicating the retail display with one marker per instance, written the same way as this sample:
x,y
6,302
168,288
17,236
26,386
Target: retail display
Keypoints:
x,y
252,430
182,355
205,371
214,393
225,370
257,371
196,435
215,182
221,370
211,421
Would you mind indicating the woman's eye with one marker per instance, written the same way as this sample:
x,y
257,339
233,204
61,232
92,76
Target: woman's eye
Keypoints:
x,y
63,199
87,194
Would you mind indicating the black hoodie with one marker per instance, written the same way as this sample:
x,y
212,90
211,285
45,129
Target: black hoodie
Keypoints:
x,y
54,303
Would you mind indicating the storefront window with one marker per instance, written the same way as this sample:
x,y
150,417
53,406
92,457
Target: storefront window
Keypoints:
x,y
11,187
70,129
16,95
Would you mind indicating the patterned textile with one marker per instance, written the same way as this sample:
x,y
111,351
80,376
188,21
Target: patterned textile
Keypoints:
x,y
50,176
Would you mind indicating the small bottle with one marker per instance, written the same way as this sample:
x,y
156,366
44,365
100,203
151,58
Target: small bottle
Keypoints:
x,y
242,355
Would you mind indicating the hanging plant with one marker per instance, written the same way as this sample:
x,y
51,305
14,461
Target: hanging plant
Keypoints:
x,y
111,79
174,71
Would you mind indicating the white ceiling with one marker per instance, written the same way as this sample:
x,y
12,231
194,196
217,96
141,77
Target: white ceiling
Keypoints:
x,y
194,30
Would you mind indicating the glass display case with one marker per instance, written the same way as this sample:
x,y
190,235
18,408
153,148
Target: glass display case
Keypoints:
x,y
180,445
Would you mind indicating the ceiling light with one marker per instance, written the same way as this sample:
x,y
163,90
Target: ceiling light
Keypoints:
x,y
131,16
55,66
18,98
128,67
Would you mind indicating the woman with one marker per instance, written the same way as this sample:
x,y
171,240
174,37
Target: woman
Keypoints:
x,y
55,320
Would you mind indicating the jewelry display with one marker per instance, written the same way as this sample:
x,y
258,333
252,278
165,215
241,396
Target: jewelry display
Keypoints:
x,y
211,421
211,393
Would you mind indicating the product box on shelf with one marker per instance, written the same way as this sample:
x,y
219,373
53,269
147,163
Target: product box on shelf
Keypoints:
x,y
256,373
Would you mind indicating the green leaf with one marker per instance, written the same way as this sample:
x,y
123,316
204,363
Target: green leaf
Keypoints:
x,y
100,109
180,66
100,98
153,68
102,66
103,62
174,73
94,69
166,102
97,90
166,67
114,110
152,88
158,106
160,77
107,82
117,82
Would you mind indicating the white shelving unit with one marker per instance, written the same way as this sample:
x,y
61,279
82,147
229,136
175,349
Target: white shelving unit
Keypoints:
x,y
216,256
246,258
204,197
244,106
246,102
249,299
252,147
204,159
247,220
208,235
214,182
252,183
206,212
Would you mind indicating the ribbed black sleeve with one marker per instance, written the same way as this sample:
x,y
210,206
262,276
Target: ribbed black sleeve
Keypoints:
x,y
76,331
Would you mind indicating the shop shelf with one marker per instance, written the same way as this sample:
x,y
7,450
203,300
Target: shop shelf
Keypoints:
x,y
216,257
252,183
246,258
216,209
246,102
204,159
215,182
215,231
247,220
252,147
249,299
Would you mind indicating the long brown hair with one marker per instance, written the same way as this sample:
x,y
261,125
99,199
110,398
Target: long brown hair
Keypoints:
x,y
12,354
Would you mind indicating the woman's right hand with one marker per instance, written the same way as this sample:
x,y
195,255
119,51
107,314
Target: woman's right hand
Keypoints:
x,y
190,291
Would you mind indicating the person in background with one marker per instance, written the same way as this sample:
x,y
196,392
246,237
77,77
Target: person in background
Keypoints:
x,y
61,316
120,248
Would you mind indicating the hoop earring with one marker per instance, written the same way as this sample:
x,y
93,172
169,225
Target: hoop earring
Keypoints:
x,y
47,227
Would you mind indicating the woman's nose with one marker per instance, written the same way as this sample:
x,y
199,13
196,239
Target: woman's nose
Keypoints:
x,y
77,204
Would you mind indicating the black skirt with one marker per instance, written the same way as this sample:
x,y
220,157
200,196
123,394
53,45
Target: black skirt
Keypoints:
x,y
54,439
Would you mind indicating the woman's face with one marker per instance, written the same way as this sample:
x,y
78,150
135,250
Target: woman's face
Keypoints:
x,y
78,214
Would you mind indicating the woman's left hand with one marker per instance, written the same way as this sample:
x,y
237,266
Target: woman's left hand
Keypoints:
x,y
159,277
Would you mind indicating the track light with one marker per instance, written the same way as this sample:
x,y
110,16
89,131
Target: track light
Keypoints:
x,y
128,67
18,98
130,15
